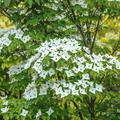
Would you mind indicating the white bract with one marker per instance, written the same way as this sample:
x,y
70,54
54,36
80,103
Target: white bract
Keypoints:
x,y
69,73
79,2
3,97
50,111
30,91
5,103
24,112
4,110
38,114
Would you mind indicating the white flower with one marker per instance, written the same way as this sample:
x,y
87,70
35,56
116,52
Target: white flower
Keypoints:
x,y
85,76
82,60
43,74
65,84
117,65
65,56
99,88
90,83
112,61
26,38
69,73
43,91
75,92
5,103
82,91
24,112
79,2
75,60
92,90
34,77
76,70
51,71
18,36
6,41
44,53
109,67
3,97
56,58
44,86
30,91
27,65
81,68
83,83
58,90
63,94
95,68
86,50
38,114
67,91
88,66
16,69
118,111
50,111
73,50
72,87
4,110
55,86
59,69
38,67
118,53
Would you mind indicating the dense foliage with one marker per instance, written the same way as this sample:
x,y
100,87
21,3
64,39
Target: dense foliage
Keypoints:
x,y
53,65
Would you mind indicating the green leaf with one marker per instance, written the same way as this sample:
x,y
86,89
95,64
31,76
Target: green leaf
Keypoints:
x,y
38,2
33,21
7,2
30,2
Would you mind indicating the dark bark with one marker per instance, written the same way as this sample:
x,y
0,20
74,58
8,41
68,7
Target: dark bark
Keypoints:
x,y
74,20
91,106
79,112
94,36
67,116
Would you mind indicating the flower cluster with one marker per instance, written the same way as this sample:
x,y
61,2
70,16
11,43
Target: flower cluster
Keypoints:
x,y
79,2
24,112
30,91
5,108
65,66
63,88
5,40
38,114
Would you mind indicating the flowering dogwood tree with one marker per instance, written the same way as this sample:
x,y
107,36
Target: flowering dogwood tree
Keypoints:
x,y
50,67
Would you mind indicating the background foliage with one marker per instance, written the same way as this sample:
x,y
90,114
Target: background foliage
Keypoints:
x,y
95,26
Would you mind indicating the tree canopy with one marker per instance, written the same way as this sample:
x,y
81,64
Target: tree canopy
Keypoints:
x,y
54,64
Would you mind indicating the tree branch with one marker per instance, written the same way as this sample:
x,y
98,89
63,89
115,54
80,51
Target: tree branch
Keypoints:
x,y
80,113
5,13
116,47
74,20
88,33
91,105
65,106
95,34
